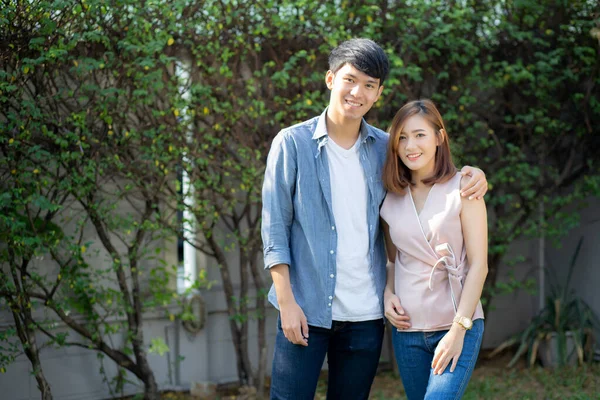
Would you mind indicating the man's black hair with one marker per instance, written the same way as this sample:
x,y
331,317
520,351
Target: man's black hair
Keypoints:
x,y
364,55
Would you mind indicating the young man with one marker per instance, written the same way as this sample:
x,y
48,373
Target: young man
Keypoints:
x,y
322,240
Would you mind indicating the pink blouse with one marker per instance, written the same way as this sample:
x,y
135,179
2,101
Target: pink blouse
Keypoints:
x,y
431,259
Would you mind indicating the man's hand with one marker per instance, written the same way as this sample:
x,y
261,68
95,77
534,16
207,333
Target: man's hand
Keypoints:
x,y
294,324
394,311
476,186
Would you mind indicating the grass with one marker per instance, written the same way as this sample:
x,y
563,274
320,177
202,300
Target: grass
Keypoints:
x,y
492,380
537,383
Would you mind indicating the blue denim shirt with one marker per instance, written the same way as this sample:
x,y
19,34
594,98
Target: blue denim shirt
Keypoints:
x,y
298,226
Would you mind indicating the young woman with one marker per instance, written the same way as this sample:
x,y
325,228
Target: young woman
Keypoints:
x,y
437,248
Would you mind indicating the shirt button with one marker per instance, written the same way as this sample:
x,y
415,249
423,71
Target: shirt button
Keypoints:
x,y
330,251
329,304
331,276
330,297
332,228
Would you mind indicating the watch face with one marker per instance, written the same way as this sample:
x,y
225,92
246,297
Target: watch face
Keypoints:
x,y
467,323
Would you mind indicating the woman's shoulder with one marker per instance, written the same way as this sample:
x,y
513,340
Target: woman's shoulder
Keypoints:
x,y
452,183
391,200
449,191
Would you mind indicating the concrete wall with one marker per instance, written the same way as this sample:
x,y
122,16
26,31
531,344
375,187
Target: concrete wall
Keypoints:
x,y
209,355
586,273
511,313
74,373
206,356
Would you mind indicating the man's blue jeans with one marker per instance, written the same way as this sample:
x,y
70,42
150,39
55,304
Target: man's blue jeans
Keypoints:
x,y
353,350
414,354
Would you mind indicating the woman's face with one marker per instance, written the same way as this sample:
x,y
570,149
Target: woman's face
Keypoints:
x,y
417,145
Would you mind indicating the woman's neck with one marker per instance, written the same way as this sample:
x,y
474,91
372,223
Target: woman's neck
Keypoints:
x,y
419,176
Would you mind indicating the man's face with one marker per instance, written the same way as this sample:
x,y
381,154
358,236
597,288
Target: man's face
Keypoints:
x,y
353,92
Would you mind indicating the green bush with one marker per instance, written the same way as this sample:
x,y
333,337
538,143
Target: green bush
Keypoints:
x,y
96,95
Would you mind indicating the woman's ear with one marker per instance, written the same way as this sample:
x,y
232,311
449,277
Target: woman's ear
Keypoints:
x,y
440,136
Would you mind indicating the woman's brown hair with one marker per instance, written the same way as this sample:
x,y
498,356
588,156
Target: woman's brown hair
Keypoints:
x,y
396,175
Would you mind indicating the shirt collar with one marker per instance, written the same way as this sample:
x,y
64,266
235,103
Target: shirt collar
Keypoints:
x,y
321,129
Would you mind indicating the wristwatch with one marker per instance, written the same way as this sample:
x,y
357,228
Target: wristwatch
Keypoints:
x,y
465,322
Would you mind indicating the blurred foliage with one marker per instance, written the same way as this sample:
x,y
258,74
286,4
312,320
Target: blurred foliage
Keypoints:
x,y
107,104
87,115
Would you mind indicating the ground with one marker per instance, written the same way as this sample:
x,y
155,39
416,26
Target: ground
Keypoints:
x,y
491,380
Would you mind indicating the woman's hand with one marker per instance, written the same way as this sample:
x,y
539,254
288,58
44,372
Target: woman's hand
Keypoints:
x,y
394,311
448,349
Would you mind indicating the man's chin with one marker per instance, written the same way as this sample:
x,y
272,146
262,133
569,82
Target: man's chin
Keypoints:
x,y
356,113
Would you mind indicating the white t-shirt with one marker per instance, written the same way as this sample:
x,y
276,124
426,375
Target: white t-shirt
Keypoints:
x,y
355,297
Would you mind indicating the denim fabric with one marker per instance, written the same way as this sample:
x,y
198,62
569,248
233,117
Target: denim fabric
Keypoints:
x,y
298,226
414,354
353,350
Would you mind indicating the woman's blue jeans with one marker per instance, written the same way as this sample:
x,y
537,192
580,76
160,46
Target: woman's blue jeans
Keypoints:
x,y
353,350
414,354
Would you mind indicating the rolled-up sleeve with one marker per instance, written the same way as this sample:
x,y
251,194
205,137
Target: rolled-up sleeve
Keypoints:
x,y
277,198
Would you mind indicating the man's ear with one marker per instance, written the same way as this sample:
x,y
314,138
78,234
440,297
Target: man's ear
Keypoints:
x,y
329,79
379,91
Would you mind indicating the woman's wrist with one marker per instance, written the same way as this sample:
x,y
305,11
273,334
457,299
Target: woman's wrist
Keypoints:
x,y
458,328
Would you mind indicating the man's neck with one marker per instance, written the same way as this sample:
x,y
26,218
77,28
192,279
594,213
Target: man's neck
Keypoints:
x,y
343,132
